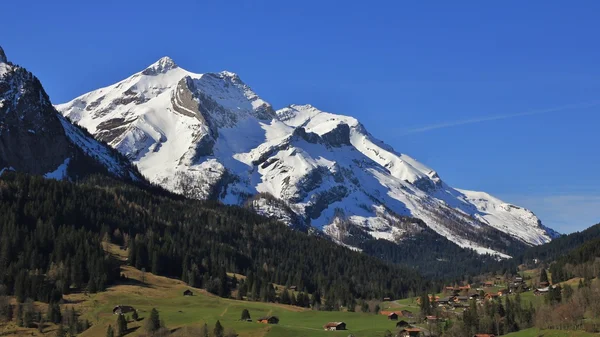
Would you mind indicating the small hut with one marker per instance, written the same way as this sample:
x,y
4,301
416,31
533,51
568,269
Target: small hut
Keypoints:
x,y
332,326
268,320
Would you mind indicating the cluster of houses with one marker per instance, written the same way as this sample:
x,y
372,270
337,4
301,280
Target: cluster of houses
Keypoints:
x,y
404,324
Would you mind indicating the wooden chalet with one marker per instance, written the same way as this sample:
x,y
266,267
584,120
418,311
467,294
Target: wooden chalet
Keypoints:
x,y
393,316
332,326
488,284
386,299
544,284
409,332
188,293
402,324
446,300
123,309
491,296
407,314
541,291
293,288
483,335
268,320
461,299
433,319
503,292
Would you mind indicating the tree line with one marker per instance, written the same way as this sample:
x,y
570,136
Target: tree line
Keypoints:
x,y
52,233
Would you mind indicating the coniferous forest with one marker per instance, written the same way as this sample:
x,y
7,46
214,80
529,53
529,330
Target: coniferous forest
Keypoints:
x,y
52,233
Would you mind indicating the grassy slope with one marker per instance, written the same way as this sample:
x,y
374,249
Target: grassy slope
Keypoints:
x,y
178,311
533,332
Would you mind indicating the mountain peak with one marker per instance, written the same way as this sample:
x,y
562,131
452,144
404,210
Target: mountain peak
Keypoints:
x,y
3,58
161,66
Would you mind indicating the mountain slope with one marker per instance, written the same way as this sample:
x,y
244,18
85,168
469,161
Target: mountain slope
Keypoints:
x,y
34,138
210,136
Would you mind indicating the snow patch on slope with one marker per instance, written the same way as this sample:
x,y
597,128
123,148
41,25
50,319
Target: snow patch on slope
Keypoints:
x,y
60,173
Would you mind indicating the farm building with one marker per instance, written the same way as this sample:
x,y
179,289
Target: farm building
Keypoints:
x,y
332,326
188,293
268,320
406,313
461,299
491,296
402,324
484,335
409,332
393,316
446,300
293,288
123,309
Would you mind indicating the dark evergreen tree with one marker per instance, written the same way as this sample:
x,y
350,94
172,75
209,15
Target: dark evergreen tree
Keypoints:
x,y
154,321
218,330
543,276
121,325
245,315
110,332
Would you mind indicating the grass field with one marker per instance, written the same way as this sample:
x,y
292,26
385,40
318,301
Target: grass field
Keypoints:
x,y
177,311
550,333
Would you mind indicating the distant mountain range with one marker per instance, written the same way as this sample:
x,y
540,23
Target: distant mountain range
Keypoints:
x,y
210,136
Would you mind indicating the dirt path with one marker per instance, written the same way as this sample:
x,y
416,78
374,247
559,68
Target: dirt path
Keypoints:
x,y
224,311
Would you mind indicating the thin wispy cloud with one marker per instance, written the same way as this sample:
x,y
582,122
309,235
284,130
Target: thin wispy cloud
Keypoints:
x,y
499,117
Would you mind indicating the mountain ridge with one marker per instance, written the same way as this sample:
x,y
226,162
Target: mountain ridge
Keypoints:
x,y
211,136
35,138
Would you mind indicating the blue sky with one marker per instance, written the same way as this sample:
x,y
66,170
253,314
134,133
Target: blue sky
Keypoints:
x,y
501,97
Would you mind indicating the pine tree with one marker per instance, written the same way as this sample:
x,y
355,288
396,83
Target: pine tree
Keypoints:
x,y
154,321
61,332
110,332
543,276
285,297
54,314
135,316
245,315
121,325
218,331
204,331
425,305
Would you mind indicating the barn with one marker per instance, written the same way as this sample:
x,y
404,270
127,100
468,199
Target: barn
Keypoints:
x,y
332,326
123,309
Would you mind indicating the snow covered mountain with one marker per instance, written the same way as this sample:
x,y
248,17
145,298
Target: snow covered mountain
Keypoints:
x,y
35,138
210,136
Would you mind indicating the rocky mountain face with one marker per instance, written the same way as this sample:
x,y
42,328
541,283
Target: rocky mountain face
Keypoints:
x,y
210,136
35,138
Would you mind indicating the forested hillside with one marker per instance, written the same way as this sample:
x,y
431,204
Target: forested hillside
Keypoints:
x,y
560,246
52,233
584,262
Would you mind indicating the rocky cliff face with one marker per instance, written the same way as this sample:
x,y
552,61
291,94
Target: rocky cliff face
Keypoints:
x,y
34,138
211,136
